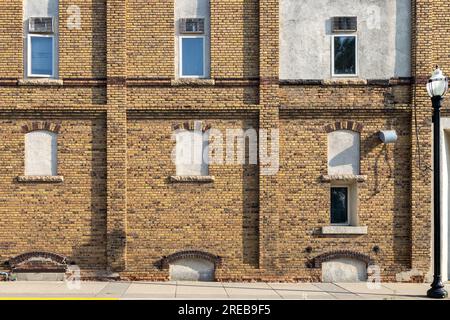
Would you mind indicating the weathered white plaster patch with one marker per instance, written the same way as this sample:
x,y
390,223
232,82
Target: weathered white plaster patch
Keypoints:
x,y
384,37
344,270
191,269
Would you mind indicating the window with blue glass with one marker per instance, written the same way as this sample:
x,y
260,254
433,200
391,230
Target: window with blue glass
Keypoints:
x,y
192,56
40,56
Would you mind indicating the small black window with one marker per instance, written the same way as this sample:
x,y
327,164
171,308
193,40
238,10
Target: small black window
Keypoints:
x,y
339,205
344,55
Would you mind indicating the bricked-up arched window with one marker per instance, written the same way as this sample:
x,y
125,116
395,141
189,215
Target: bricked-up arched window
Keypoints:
x,y
41,153
343,152
191,153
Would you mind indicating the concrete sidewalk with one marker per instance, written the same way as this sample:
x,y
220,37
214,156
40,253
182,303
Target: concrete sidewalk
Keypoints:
x,y
214,290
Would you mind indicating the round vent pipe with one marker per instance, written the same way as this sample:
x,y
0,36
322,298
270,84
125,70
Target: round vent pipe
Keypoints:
x,y
388,136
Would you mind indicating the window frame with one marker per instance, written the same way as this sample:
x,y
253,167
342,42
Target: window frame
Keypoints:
x,y
341,75
180,50
29,53
348,222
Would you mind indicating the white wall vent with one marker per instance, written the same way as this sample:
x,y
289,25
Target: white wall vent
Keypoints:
x,y
344,24
40,25
192,26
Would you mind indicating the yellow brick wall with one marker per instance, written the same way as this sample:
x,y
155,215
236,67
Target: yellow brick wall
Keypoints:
x,y
82,52
234,39
166,217
67,218
150,38
383,199
120,65
11,39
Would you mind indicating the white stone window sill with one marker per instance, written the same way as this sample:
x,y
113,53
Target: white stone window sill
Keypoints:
x,y
343,177
344,230
40,82
193,82
48,179
199,179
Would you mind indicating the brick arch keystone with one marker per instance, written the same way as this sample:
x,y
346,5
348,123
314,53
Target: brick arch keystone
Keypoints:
x,y
344,125
332,255
41,125
190,125
196,254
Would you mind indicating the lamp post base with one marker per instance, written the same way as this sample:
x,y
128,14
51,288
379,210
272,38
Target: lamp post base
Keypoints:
x,y
437,290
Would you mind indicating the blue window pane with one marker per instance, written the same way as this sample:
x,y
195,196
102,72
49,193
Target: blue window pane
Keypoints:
x,y
192,57
41,56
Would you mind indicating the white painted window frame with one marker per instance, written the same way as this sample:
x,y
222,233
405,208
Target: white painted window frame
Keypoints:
x,y
341,185
338,75
29,49
180,50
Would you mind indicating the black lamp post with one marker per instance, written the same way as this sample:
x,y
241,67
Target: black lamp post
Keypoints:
x,y
437,87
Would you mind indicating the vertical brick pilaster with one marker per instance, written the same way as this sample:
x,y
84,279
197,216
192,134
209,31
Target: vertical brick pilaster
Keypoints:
x,y
268,120
431,40
422,64
116,135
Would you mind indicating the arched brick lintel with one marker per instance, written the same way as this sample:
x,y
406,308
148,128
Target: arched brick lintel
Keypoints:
x,y
344,125
41,125
195,254
332,255
25,257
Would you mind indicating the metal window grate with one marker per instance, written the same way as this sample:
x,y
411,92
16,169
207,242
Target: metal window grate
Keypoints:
x,y
344,24
192,26
40,25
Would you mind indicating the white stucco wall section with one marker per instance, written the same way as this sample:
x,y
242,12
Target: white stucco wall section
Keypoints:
x,y
384,34
193,9
41,153
40,8
343,152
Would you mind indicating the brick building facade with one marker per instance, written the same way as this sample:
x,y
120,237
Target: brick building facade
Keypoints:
x,y
113,208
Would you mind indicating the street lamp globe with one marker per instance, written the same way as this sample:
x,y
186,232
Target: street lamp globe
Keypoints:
x,y
437,86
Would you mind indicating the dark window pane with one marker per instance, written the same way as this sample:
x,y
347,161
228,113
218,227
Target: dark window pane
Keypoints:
x,y
339,208
345,55
192,57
